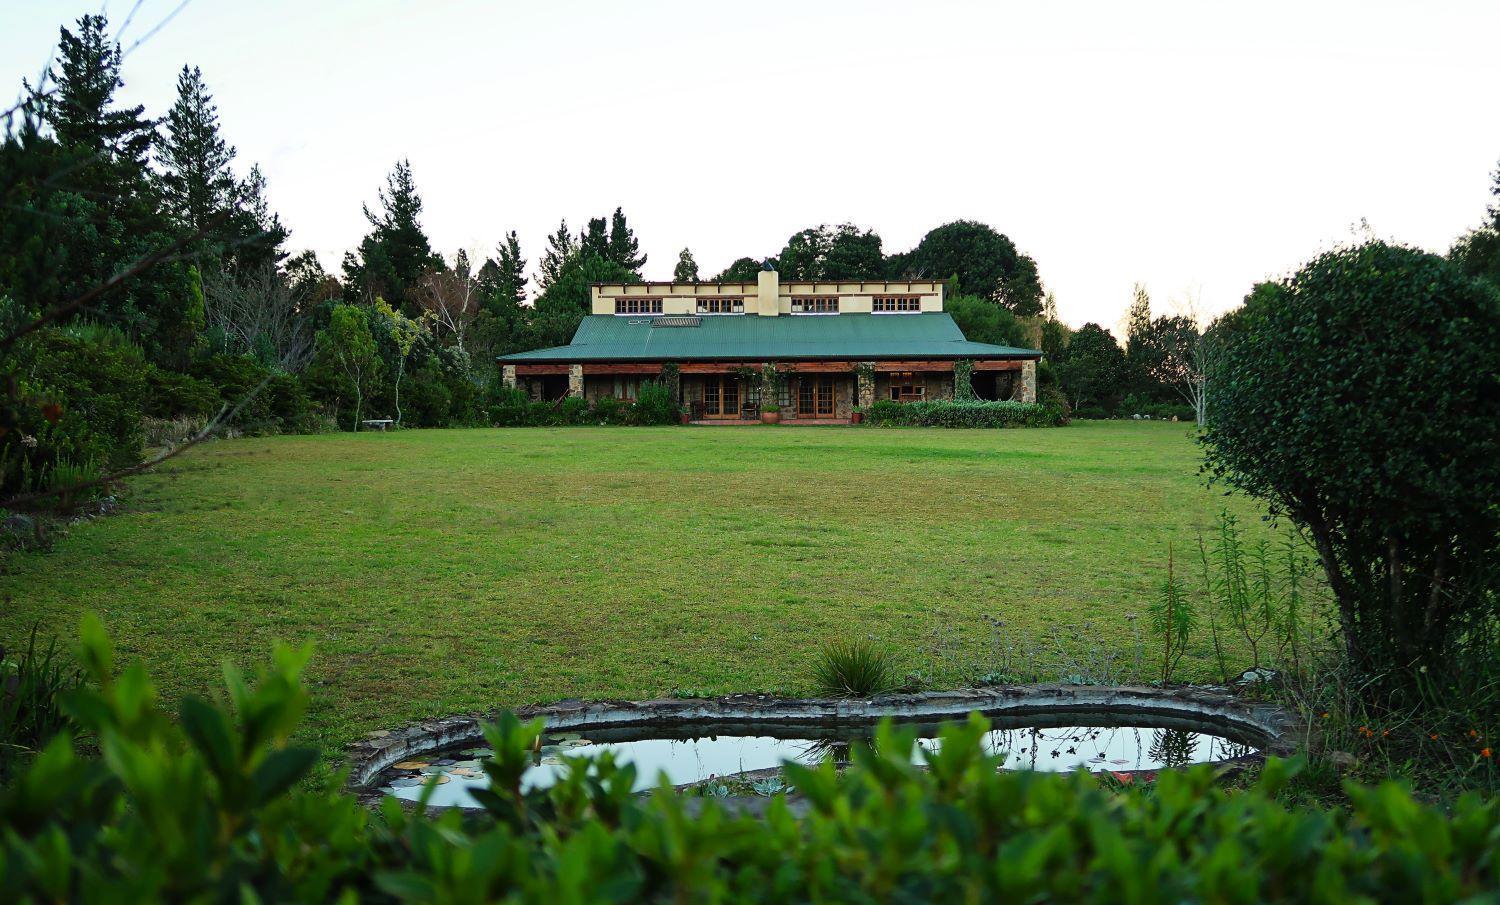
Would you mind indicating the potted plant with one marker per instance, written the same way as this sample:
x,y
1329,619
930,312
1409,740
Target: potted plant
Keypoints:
x,y
770,414
857,416
686,415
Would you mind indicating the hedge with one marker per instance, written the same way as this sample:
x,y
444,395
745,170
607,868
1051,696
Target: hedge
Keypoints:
x,y
213,803
945,413
511,407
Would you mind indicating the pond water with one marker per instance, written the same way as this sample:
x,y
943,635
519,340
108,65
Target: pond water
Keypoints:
x,y
689,755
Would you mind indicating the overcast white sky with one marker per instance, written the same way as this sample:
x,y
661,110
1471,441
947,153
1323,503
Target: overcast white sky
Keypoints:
x,y
1196,147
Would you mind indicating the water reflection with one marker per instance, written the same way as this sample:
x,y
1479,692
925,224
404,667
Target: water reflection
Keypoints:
x,y
685,756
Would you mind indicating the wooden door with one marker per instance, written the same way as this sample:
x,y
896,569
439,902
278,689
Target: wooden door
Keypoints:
x,y
815,397
721,396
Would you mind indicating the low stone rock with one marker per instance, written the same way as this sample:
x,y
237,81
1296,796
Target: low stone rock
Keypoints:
x,y
1343,760
1260,675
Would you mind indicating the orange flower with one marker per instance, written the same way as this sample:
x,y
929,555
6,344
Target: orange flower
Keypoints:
x,y
1485,752
1384,733
1325,714
1433,736
1473,734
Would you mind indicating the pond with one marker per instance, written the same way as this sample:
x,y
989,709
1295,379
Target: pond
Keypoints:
x,y
689,754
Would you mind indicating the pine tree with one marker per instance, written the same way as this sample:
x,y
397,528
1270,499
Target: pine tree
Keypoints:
x,y
395,253
100,195
624,250
197,183
594,240
257,236
687,268
560,249
511,285
82,112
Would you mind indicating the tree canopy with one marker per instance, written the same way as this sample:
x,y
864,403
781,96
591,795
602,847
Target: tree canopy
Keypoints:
x,y
686,270
1091,370
986,263
743,270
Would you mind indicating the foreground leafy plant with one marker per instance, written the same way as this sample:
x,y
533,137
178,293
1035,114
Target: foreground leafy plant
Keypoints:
x,y
211,809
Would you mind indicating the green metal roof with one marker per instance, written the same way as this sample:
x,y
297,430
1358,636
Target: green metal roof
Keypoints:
x,y
749,337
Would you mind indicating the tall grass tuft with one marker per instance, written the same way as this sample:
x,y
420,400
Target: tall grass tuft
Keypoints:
x,y
853,669
33,683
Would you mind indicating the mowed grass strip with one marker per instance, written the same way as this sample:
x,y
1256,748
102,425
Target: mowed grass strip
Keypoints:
x,y
439,571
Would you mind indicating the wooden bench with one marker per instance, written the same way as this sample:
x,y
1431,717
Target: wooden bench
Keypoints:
x,y
378,424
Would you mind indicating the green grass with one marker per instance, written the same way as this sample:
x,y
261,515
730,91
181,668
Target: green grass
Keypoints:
x,y
440,572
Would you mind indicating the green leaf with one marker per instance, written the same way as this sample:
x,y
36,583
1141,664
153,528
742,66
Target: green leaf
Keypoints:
x,y
281,769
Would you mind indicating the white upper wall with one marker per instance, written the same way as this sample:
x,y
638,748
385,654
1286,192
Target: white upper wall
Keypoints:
x,y
854,296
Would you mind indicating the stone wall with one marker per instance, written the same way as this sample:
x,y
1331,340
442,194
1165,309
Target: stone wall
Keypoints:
x,y
866,390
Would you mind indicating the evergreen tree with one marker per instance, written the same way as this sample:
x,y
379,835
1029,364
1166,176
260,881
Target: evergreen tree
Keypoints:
x,y
257,235
687,268
395,253
594,240
91,182
82,113
560,249
502,279
1138,319
624,250
197,182
199,186
1142,352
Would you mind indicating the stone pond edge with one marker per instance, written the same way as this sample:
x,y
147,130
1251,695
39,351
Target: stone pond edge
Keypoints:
x,y
1261,724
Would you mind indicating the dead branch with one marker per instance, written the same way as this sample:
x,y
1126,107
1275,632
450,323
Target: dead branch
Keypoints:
x,y
226,414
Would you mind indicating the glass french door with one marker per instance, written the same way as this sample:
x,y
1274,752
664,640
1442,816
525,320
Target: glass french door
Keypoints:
x,y
815,397
721,396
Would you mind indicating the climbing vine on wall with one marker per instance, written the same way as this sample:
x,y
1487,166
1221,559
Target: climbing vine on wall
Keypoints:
x,y
671,378
771,381
963,383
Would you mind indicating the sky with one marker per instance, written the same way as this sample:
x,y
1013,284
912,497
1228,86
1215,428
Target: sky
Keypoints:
x,y
1195,147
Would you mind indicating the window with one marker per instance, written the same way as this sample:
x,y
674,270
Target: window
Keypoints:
x,y
721,306
815,304
885,304
906,386
625,388
638,305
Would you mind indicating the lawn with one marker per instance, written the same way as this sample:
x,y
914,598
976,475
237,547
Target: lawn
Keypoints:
x,y
442,571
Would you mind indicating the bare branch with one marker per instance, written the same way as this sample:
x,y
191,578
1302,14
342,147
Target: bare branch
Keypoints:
x,y
226,414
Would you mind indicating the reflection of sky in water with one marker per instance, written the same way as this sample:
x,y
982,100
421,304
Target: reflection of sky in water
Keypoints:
x,y
694,760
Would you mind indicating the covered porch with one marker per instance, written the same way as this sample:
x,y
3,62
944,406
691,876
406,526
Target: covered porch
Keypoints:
x,y
808,392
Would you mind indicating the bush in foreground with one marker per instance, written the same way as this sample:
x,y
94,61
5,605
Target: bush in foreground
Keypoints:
x,y
945,413
1359,399
215,806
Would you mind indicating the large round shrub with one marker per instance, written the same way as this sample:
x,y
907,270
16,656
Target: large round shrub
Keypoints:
x,y
1361,400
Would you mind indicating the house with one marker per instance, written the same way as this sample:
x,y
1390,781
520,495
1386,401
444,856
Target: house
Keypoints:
x,y
840,344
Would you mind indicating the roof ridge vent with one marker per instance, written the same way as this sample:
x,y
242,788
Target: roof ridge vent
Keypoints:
x,y
676,321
